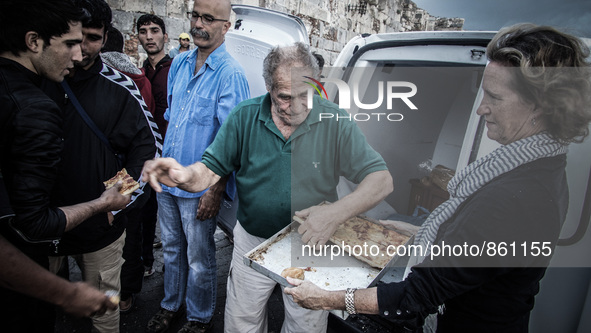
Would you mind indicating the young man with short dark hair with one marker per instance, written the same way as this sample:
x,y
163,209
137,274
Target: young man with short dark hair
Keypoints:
x,y
122,119
38,39
153,37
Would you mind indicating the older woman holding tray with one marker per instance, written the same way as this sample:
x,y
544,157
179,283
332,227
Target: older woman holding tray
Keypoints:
x,y
536,101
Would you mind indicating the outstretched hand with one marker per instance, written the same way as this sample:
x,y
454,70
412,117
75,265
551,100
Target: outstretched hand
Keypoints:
x,y
166,171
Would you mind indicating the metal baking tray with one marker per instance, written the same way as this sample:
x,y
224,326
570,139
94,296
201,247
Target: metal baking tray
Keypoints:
x,y
275,254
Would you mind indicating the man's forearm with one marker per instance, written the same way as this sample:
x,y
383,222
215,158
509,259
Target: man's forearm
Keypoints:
x,y
79,213
219,187
322,221
110,200
21,274
373,189
310,296
200,178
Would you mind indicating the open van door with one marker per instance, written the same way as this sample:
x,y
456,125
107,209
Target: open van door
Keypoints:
x,y
256,30
441,74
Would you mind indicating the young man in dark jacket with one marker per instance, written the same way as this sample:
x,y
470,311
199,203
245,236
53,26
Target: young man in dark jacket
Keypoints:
x,y
132,271
117,109
37,40
141,228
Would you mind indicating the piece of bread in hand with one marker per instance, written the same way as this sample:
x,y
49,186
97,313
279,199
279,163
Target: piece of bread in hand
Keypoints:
x,y
129,185
293,272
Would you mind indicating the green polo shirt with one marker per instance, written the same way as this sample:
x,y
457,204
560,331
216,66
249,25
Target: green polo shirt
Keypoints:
x,y
274,176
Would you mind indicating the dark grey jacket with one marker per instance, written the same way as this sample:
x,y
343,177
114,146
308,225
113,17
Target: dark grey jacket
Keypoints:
x,y
113,102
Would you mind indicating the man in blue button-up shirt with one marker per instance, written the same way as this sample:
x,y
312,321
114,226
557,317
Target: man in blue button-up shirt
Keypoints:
x,y
204,85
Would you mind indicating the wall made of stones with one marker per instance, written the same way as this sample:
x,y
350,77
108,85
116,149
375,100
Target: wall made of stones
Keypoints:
x,y
126,13
330,23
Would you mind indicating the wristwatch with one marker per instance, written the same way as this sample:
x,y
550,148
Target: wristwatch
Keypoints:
x,y
350,300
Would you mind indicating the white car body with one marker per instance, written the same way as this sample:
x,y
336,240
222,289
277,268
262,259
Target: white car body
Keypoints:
x,y
565,293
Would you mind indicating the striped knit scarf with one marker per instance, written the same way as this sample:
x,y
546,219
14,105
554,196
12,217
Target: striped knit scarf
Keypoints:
x,y
478,174
469,180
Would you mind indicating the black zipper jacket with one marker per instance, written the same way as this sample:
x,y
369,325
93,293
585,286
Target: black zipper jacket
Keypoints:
x,y
30,146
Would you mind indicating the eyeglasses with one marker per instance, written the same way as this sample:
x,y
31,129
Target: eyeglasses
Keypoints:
x,y
205,18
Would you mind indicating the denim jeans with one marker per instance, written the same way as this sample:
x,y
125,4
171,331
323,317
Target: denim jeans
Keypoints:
x,y
189,257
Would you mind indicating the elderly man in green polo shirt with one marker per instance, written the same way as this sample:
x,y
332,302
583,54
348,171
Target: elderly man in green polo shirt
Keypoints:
x,y
287,160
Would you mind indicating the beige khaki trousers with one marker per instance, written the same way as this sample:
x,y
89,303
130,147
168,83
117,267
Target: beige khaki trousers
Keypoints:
x,y
101,269
248,292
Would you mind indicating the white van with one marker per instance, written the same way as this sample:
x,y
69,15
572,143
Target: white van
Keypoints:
x,y
439,73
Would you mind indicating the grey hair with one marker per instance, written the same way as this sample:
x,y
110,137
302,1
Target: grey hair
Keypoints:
x,y
553,73
297,55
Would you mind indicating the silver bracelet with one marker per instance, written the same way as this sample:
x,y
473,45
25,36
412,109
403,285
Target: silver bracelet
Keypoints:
x,y
350,300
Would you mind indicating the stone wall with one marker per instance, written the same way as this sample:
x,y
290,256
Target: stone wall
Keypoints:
x,y
330,23
126,13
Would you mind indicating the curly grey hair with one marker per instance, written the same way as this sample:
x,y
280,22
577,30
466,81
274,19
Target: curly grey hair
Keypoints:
x,y
553,74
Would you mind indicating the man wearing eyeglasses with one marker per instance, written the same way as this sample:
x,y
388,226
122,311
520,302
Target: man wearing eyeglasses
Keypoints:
x,y
204,85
